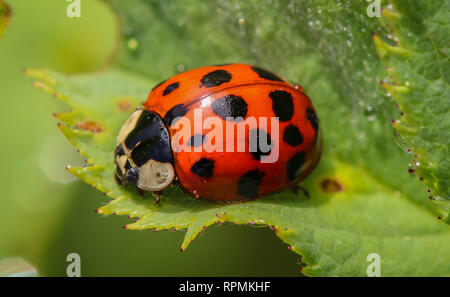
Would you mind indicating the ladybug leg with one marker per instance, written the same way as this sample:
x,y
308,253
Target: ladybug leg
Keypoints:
x,y
140,191
158,197
295,189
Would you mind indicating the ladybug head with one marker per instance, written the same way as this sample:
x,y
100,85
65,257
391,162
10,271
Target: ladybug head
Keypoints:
x,y
143,155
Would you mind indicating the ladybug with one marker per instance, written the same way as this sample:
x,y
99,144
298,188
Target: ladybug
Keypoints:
x,y
207,162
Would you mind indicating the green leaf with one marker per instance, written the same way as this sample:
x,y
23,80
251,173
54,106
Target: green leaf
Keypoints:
x,y
363,200
416,59
5,14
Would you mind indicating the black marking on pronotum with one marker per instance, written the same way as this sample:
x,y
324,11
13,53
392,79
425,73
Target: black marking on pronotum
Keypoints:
x,y
119,151
159,84
127,165
196,140
255,137
215,78
266,74
248,184
203,167
282,106
118,172
118,180
312,117
156,148
178,110
170,88
147,119
295,165
118,175
292,135
148,140
230,106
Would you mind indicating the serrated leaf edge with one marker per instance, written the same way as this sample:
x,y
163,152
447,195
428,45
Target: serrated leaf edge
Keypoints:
x,y
407,124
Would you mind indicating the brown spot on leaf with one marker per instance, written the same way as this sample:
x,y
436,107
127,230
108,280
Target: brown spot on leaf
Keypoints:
x,y
38,84
124,105
329,185
5,14
94,127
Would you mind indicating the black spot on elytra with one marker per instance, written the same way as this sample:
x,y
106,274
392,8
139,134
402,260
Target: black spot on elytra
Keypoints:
x,y
257,136
312,117
196,140
170,88
266,74
159,84
295,165
282,106
248,184
203,167
178,110
230,106
292,135
215,78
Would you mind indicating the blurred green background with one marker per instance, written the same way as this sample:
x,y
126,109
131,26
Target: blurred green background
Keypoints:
x,y
45,213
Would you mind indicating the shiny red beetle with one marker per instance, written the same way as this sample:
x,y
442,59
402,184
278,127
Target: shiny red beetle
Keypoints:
x,y
211,163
